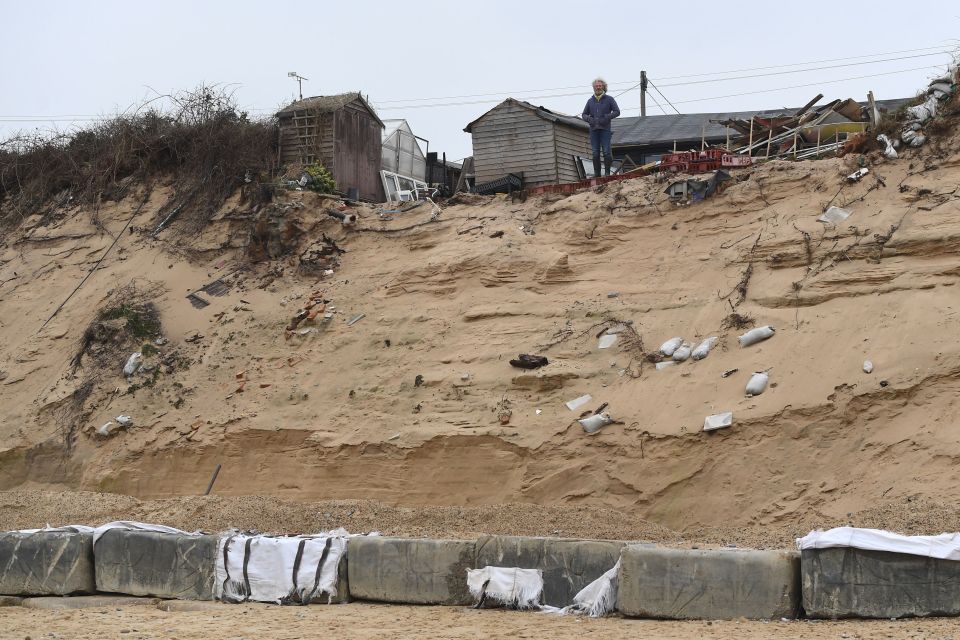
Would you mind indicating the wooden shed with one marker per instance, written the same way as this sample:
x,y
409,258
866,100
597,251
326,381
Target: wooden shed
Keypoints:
x,y
518,137
341,132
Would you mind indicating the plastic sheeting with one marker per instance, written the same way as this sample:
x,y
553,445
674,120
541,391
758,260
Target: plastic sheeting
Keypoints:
x,y
296,569
945,546
510,586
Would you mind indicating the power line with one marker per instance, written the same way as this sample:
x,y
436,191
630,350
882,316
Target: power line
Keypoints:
x,y
662,96
780,73
800,64
940,49
652,97
798,86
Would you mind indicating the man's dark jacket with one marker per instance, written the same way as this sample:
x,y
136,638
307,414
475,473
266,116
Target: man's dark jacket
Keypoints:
x,y
599,113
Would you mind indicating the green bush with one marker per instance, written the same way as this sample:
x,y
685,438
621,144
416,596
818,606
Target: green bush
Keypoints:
x,y
321,180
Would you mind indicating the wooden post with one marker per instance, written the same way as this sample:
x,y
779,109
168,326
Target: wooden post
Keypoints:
x,y
819,131
728,137
795,142
674,146
769,142
643,94
703,138
750,144
874,112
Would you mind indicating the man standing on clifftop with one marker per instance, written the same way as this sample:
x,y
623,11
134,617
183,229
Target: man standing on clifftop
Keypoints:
x,y
600,110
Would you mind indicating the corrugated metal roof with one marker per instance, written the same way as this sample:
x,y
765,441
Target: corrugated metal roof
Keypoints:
x,y
541,112
638,131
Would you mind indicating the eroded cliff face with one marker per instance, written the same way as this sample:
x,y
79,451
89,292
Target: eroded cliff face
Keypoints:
x,y
406,405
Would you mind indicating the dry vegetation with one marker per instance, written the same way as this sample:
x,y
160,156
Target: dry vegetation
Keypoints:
x,y
204,143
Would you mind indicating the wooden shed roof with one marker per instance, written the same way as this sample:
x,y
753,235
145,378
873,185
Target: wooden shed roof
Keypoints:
x,y
323,104
540,112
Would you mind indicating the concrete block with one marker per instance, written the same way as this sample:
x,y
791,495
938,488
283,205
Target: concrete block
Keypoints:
x,y
410,571
46,563
854,583
149,563
712,584
86,602
568,565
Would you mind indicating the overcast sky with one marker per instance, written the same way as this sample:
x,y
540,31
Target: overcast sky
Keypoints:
x,y
441,65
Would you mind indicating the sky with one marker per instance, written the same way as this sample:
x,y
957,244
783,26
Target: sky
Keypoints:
x,y
441,65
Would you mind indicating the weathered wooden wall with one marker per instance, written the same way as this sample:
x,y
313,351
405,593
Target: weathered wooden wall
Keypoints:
x,y
513,139
357,151
569,142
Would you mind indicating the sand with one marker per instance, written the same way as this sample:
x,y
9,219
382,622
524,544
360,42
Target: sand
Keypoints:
x,y
369,621
336,413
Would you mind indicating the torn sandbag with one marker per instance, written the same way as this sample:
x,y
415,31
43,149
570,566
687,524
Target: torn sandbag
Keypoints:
x,y
889,152
671,345
290,570
598,598
507,586
702,350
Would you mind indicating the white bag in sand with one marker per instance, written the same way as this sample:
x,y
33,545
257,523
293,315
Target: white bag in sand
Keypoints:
x,y
756,335
682,352
757,384
671,345
594,423
703,349
133,363
718,421
890,153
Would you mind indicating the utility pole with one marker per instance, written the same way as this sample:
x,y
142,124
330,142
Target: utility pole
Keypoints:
x,y
643,94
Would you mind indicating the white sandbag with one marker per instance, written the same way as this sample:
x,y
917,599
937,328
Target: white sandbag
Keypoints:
x,y
683,352
261,568
509,586
594,423
133,363
671,345
703,349
833,215
757,384
945,546
607,341
579,402
718,421
890,153
913,137
923,112
867,366
666,364
756,335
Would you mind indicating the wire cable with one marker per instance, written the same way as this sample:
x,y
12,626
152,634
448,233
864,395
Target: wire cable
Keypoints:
x,y
797,86
662,96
